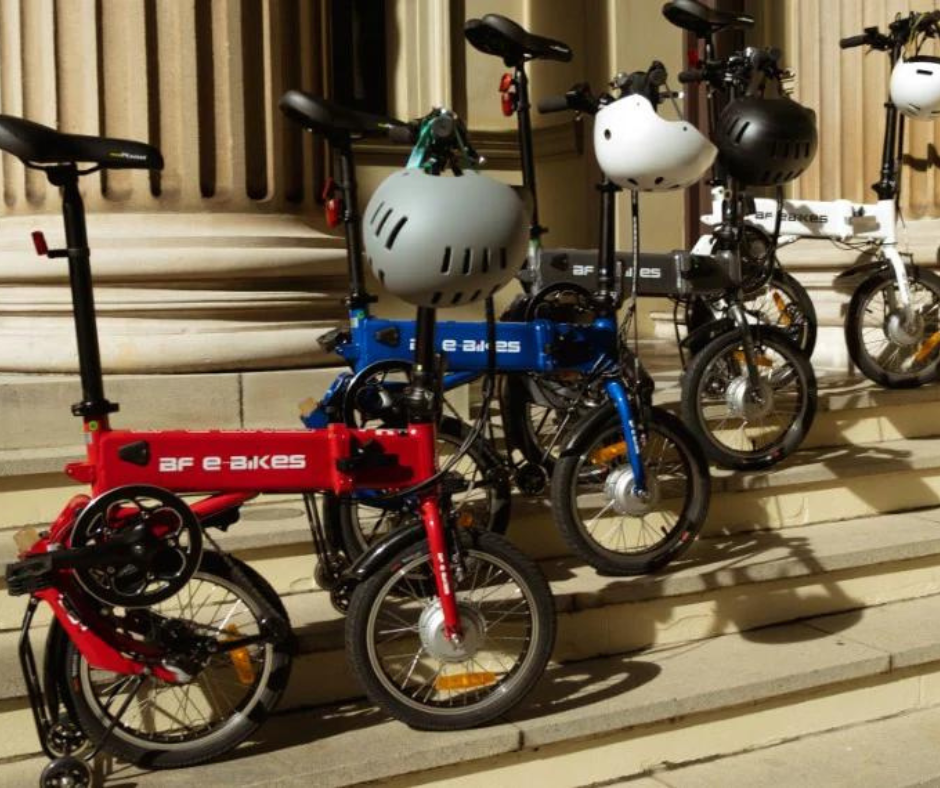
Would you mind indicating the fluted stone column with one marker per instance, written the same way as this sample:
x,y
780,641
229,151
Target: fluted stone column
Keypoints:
x,y
218,262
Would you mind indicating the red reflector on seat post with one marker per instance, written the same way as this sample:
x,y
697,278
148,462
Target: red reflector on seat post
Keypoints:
x,y
39,241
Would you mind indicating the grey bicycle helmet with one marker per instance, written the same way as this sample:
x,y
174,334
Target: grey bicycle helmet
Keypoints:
x,y
766,141
440,241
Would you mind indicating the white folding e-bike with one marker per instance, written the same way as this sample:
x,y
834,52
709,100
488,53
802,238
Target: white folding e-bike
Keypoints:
x,y
892,326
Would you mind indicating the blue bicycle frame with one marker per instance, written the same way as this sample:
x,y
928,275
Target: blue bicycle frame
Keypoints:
x,y
538,346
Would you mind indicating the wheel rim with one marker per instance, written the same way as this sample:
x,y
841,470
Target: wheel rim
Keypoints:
x,y
552,409
474,504
775,306
728,417
506,631
623,529
888,343
174,716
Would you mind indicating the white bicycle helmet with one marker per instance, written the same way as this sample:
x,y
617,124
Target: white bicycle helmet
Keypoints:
x,y
915,87
641,151
440,241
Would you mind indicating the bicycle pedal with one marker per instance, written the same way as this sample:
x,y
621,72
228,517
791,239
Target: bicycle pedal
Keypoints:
x,y
29,575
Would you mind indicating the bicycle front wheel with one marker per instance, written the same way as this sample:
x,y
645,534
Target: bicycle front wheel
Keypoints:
x,y
406,663
601,517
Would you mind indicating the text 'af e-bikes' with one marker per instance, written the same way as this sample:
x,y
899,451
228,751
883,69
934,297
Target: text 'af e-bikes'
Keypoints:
x,y
168,654
650,474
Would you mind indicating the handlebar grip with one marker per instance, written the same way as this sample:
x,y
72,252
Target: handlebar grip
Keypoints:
x,y
853,41
692,75
657,74
551,104
403,135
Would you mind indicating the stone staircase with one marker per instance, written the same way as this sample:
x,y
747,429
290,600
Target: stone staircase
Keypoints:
x,y
809,604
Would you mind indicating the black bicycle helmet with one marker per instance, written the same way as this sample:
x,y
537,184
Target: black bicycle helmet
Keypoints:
x,y
766,141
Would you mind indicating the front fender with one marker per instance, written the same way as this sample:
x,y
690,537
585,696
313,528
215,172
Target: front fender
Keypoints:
x,y
383,551
865,269
702,335
600,418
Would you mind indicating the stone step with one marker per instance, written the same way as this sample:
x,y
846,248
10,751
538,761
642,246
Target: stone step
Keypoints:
x,y
843,758
813,486
608,719
723,586
852,412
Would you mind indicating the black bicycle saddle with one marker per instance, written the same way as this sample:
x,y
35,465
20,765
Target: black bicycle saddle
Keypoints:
x,y
701,20
497,35
330,119
38,144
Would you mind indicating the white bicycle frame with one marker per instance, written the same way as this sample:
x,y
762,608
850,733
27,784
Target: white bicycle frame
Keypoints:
x,y
841,220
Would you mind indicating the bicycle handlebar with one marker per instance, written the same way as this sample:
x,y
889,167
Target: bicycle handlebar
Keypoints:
x,y
899,32
853,41
579,99
551,104
692,75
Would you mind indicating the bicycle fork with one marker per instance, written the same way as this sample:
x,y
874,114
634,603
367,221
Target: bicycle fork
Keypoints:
x,y
443,577
618,395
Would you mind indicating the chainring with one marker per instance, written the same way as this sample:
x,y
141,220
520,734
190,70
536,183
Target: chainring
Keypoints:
x,y
160,539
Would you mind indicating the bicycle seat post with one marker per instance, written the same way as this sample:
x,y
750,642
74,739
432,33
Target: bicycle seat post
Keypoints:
x,y
421,395
94,405
358,297
526,152
607,286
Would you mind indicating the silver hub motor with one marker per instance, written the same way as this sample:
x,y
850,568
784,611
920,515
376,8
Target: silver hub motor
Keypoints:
x,y
434,636
621,489
746,403
904,332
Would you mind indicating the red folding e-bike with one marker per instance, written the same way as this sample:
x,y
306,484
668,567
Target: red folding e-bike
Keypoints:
x,y
168,654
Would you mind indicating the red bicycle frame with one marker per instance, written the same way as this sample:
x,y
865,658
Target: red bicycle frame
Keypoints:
x,y
231,467
237,466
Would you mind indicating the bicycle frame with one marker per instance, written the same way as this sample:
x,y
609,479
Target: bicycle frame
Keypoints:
x,y
842,220
231,466
537,346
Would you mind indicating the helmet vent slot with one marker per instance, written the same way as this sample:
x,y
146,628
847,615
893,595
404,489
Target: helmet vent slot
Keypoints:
x,y
925,72
377,212
659,180
436,298
456,299
634,181
740,135
378,230
382,276
493,291
467,260
476,295
448,256
485,263
395,231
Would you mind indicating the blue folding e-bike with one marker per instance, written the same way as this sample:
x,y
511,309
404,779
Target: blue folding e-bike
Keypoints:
x,y
648,474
